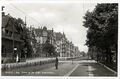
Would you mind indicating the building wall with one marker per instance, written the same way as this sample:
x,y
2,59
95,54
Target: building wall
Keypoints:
x,y
9,35
44,35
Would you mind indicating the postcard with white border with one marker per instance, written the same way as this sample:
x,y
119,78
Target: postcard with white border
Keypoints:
x,y
63,39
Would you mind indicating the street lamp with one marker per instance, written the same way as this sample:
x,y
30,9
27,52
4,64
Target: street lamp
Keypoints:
x,y
16,54
25,53
15,48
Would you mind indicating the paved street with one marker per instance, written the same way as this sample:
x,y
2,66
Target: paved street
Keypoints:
x,y
76,67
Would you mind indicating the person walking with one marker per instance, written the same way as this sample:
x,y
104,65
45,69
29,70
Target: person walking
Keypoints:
x,y
56,63
17,58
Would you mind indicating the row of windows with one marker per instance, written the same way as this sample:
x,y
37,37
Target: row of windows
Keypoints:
x,y
7,33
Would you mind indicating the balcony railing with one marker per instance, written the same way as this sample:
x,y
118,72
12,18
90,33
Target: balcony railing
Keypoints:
x,y
10,36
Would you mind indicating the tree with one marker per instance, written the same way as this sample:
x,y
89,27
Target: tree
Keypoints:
x,y
102,24
49,48
27,42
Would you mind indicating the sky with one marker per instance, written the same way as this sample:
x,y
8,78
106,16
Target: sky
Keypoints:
x,y
62,17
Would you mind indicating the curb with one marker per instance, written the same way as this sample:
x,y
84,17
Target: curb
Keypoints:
x,y
108,68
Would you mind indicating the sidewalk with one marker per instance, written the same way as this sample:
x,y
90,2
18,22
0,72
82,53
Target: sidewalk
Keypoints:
x,y
38,59
46,58
31,62
45,70
63,70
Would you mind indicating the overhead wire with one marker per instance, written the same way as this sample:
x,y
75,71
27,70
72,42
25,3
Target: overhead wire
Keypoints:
x,y
26,15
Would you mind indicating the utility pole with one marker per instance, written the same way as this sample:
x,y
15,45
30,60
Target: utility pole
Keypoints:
x,y
25,20
25,48
13,42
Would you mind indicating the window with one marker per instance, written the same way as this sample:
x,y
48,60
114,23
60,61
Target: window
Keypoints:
x,y
10,33
3,51
6,31
44,33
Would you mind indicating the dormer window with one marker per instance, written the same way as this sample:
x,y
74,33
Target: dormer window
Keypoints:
x,y
6,32
10,33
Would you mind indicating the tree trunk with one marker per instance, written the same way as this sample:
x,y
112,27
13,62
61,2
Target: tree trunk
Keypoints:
x,y
108,52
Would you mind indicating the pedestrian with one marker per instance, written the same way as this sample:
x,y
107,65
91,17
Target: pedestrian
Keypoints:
x,y
17,58
56,63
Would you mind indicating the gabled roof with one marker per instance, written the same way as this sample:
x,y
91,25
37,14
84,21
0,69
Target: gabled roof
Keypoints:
x,y
11,24
5,20
18,26
38,32
58,36
50,32
8,23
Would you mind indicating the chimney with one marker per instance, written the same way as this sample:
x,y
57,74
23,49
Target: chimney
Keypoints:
x,y
3,13
52,29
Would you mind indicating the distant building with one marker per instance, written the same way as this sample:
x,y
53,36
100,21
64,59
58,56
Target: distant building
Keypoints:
x,y
76,51
42,35
65,48
71,49
59,37
67,54
64,39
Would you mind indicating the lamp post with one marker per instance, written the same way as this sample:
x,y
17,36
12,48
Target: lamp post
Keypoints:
x,y
25,54
13,42
16,54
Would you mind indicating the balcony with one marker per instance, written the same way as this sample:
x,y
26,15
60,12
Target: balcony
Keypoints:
x,y
9,36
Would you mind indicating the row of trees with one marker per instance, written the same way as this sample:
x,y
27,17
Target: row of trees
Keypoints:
x,y
26,48
49,48
102,24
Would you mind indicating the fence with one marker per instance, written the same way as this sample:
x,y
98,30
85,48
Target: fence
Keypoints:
x,y
31,63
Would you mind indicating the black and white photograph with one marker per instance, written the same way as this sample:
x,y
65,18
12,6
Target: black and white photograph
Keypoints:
x,y
59,39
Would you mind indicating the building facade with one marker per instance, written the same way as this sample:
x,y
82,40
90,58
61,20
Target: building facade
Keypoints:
x,y
43,35
11,38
